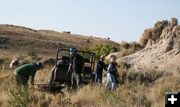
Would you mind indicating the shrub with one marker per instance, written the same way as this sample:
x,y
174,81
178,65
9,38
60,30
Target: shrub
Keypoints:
x,y
122,70
32,54
127,48
21,97
103,49
26,97
125,45
173,21
1,61
147,34
147,77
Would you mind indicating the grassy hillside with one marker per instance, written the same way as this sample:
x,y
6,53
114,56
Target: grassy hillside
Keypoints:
x,y
20,39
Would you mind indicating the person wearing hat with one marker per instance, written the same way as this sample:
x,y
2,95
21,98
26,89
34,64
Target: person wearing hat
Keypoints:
x,y
99,69
111,75
24,72
76,65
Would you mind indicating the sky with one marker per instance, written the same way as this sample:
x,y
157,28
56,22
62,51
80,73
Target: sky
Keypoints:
x,y
118,19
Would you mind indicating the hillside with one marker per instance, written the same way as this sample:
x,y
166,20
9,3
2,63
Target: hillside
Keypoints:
x,y
162,55
136,89
20,39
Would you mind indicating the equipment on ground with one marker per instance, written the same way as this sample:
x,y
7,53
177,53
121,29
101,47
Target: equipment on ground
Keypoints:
x,y
63,77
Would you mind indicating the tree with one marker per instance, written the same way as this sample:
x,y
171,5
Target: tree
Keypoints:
x,y
103,49
173,22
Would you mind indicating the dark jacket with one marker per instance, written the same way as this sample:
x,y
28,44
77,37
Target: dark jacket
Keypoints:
x,y
77,62
25,71
100,66
112,69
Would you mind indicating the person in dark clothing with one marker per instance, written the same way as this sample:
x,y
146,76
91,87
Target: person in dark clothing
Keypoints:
x,y
99,69
112,74
24,72
76,65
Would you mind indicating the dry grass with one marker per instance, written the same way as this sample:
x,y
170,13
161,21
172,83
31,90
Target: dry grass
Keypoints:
x,y
87,96
22,39
3,77
136,93
128,94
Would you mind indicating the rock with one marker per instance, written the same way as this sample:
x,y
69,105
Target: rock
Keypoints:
x,y
162,55
166,31
168,45
149,43
176,28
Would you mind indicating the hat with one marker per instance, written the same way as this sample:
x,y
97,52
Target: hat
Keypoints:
x,y
113,56
102,57
72,50
39,64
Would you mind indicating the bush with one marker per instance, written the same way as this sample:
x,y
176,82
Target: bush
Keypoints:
x,y
21,97
1,61
147,34
26,97
147,77
174,22
122,70
125,45
102,49
127,48
32,54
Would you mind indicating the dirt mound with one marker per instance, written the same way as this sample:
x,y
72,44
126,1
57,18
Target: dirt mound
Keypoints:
x,y
163,55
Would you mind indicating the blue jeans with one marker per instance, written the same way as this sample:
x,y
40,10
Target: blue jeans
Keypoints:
x,y
111,82
98,78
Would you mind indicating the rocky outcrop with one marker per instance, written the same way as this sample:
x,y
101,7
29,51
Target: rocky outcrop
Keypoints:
x,y
163,55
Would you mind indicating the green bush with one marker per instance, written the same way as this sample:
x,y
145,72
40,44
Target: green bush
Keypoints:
x,y
102,49
26,97
21,97
1,61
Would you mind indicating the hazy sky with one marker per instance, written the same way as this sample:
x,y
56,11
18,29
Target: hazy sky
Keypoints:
x,y
117,19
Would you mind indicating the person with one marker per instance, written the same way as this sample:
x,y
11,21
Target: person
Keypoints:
x,y
24,72
112,73
14,63
76,65
99,69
